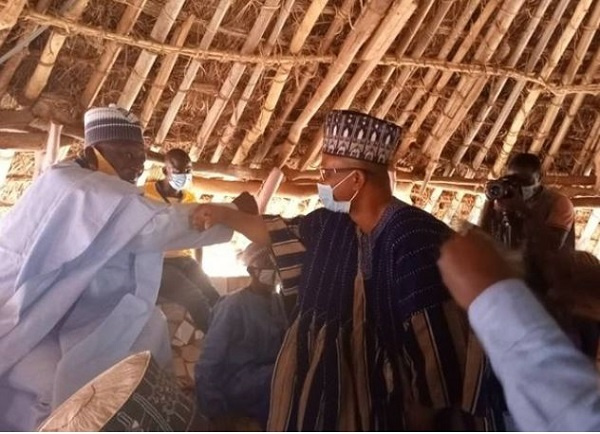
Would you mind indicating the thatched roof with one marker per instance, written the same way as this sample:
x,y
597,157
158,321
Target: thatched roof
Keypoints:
x,y
244,86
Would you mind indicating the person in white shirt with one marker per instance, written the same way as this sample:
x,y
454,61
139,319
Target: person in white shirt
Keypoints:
x,y
549,385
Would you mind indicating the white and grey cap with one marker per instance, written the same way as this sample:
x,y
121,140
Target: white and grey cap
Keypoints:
x,y
110,124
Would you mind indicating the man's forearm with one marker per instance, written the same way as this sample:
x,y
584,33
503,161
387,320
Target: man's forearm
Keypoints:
x,y
252,226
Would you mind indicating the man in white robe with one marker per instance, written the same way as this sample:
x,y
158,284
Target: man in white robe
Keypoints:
x,y
80,267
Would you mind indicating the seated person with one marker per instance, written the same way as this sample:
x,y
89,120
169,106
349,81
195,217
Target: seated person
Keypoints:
x,y
233,375
524,214
183,280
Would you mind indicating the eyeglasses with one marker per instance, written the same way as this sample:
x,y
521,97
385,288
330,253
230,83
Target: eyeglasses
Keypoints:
x,y
328,172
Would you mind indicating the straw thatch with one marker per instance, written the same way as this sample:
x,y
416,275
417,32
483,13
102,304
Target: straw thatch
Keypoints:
x,y
244,86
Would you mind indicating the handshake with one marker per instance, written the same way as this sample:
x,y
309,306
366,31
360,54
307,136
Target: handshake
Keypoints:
x,y
207,215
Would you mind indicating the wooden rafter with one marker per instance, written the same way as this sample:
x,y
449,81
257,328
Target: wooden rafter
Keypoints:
x,y
110,54
468,89
497,88
368,21
559,49
146,59
430,79
334,29
533,59
72,11
166,68
416,52
235,74
583,43
191,72
390,27
257,73
571,113
279,80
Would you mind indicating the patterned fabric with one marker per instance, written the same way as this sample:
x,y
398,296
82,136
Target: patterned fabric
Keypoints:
x,y
111,124
423,366
360,136
133,395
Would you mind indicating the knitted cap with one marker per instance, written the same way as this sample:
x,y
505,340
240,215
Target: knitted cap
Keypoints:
x,y
357,135
256,256
111,124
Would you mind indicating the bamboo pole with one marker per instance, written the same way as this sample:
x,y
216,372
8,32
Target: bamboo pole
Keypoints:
x,y
571,113
408,36
519,120
517,89
429,32
411,135
9,16
146,59
166,68
267,11
392,24
586,153
334,29
372,15
110,54
191,72
39,79
468,89
583,43
497,88
257,73
445,51
11,65
280,79
10,13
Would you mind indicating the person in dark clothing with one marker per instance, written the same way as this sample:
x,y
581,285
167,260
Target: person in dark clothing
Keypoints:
x,y
376,343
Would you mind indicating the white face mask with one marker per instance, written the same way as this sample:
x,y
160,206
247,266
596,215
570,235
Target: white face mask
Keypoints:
x,y
529,191
267,277
178,181
329,202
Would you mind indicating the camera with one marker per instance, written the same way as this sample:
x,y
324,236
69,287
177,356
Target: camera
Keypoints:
x,y
506,187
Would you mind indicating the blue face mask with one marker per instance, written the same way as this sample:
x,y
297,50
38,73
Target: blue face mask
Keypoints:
x,y
179,180
329,202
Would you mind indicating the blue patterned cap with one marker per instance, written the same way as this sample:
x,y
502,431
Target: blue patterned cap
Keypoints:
x,y
357,135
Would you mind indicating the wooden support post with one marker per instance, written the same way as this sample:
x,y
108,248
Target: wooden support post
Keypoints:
x,y
589,230
6,158
269,188
475,213
52,146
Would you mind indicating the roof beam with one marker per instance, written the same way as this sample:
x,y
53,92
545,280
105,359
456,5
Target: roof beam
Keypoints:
x,y
71,11
146,59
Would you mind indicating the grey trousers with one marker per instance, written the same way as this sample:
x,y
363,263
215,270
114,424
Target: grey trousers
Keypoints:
x,y
183,282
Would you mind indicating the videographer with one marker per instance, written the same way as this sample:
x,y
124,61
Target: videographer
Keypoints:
x,y
523,214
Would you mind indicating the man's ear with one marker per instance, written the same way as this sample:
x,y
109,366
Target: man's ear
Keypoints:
x,y
360,179
90,157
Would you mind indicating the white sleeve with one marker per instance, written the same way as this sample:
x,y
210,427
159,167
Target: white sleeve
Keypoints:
x,y
549,385
170,229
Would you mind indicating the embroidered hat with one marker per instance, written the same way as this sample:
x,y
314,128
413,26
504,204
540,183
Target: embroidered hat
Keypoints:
x,y
363,137
109,124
